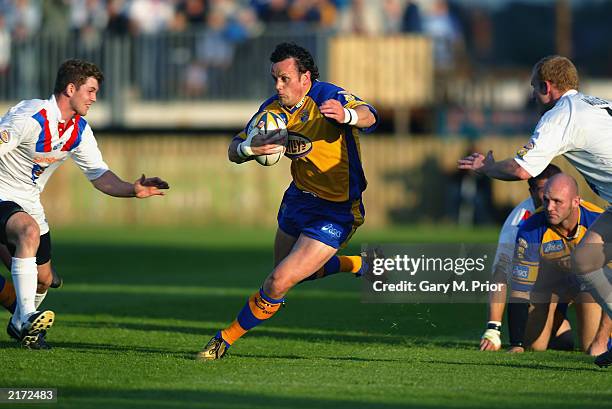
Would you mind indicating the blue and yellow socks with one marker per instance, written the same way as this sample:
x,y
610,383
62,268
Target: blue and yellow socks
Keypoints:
x,y
338,264
258,308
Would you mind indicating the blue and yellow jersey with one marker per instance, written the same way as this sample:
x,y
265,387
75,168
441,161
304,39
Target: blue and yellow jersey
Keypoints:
x,y
326,158
539,245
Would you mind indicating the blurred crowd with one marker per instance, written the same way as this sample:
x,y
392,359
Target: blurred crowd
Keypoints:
x,y
221,23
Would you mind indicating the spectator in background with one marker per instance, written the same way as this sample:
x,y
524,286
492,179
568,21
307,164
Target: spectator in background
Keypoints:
x,y
411,19
118,23
362,17
150,18
24,19
191,14
214,54
55,22
272,11
88,20
319,12
392,16
443,28
5,46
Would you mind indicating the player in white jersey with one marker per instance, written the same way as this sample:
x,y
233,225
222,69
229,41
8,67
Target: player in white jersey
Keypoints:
x,y
578,127
36,136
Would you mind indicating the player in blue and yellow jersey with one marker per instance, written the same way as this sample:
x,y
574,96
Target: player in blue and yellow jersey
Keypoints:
x,y
542,275
322,207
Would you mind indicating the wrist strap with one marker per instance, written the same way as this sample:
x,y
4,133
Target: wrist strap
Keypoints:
x,y
496,325
350,116
239,151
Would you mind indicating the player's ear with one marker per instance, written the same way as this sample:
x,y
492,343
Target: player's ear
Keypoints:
x,y
69,90
543,85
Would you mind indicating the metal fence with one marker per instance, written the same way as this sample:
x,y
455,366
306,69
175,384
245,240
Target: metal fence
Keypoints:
x,y
173,66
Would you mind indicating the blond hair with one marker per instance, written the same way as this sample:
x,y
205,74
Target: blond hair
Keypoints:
x,y
558,70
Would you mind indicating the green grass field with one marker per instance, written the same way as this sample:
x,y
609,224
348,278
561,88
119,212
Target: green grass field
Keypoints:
x,y
139,303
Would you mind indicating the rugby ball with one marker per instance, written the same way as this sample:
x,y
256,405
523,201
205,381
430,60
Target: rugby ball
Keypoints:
x,y
267,122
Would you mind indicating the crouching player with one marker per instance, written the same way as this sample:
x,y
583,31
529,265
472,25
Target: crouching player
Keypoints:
x,y
322,207
541,273
502,265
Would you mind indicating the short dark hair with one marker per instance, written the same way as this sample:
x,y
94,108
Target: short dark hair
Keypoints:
x,y
302,57
76,72
550,171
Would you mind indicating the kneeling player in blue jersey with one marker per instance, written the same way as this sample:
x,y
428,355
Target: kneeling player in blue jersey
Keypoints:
x,y
322,207
541,273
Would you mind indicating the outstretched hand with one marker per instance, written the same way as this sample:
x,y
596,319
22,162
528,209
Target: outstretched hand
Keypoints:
x,y
145,187
476,162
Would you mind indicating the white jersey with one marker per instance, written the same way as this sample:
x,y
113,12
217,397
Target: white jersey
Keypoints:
x,y
33,143
507,237
580,128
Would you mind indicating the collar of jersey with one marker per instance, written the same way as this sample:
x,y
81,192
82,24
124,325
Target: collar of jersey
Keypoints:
x,y
569,93
296,106
55,108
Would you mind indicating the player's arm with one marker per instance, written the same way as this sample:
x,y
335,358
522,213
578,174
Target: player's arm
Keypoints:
x,y
244,147
525,270
507,169
548,140
361,116
112,185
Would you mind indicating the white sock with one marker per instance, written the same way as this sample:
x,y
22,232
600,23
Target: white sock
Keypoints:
x,y
599,286
38,299
25,281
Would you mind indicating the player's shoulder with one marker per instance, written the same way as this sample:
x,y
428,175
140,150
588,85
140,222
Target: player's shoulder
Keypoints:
x,y
560,114
27,108
270,104
589,212
321,91
521,212
534,227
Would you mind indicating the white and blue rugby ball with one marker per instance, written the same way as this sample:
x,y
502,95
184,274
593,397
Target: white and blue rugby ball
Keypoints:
x,y
267,122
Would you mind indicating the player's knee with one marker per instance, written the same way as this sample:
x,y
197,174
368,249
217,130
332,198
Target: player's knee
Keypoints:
x,y
276,285
27,235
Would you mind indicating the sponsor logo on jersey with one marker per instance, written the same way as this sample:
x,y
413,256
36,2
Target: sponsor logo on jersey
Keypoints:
x,y
552,247
348,97
46,160
5,136
521,248
521,272
523,151
331,230
37,170
298,145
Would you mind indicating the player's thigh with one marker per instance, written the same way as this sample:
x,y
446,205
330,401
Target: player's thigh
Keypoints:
x,y
588,313
307,256
283,243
